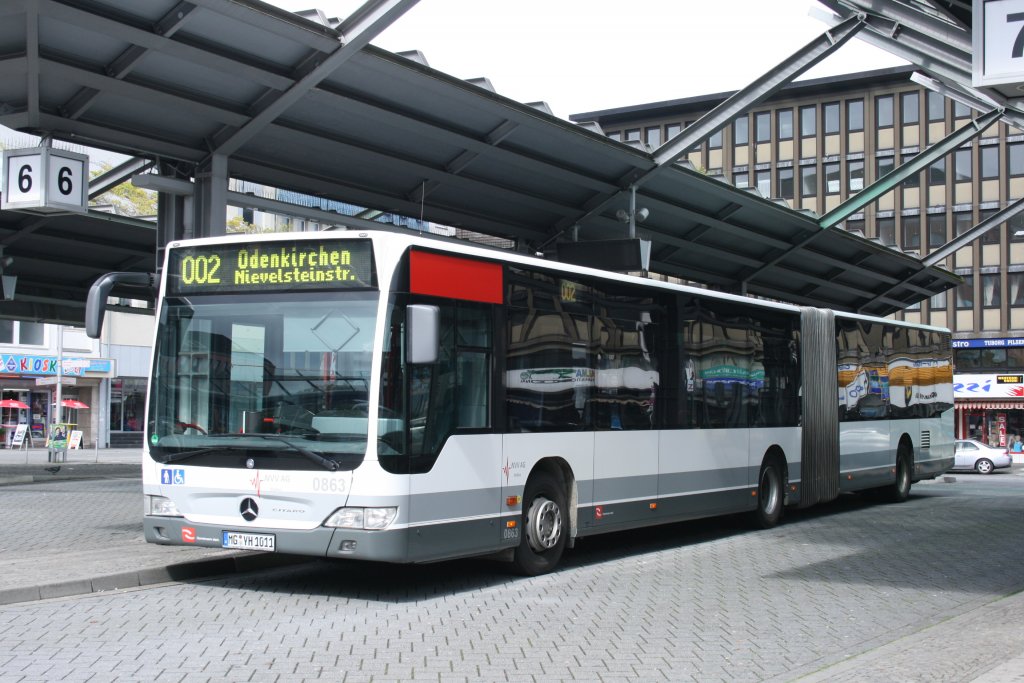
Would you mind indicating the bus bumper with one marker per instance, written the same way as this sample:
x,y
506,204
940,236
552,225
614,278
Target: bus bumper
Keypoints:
x,y
383,546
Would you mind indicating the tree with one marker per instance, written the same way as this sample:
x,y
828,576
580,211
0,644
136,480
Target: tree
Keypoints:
x,y
126,199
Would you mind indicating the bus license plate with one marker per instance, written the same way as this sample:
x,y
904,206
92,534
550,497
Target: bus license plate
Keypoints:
x,y
239,541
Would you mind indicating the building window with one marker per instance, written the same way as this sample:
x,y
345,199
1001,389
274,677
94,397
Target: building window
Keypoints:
x,y
808,121
911,233
653,136
763,126
914,179
938,302
784,122
715,141
883,111
1015,153
855,225
854,115
741,179
961,111
633,135
910,108
937,172
764,182
936,230
961,166
831,113
965,294
832,180
1015,283
962,222
990,294
785,182
672,130
855,175
887,231
808,181
883,166
741,131
617,136
1016,227
992,235
936,107
22,333
989,161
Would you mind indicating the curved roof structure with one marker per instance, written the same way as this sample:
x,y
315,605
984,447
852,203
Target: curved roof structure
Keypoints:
x,y
297,104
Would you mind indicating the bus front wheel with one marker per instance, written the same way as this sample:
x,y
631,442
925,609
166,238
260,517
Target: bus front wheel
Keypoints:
x,y
544,526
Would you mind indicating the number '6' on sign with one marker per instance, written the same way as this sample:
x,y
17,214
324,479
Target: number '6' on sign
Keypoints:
x,y
43,180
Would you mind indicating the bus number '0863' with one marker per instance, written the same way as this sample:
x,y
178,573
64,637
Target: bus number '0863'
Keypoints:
x,y
200,270
328,485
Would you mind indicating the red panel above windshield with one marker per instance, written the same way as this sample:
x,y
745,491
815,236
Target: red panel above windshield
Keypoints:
x,y
454,277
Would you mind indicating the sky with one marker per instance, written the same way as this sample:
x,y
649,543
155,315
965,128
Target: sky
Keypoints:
x,y
586,55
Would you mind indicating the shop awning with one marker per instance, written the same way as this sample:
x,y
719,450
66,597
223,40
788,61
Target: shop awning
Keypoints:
x,y
1009,404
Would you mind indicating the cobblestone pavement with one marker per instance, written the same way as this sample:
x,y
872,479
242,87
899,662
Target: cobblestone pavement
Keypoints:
x,y
849,591
79,535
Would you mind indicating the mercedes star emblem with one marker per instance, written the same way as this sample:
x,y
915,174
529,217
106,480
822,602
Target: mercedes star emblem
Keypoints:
x,y
249,509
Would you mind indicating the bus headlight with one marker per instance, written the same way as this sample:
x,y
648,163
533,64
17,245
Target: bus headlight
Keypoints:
x,y
162,507
362,518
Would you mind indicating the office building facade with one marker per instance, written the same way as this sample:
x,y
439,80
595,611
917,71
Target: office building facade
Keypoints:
x,y
817,142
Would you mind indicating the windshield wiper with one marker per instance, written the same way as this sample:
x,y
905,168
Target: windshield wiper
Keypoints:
x,y
185,455
326,463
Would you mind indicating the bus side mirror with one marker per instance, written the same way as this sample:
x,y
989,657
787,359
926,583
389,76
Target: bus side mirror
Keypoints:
x,y
423,333
96,304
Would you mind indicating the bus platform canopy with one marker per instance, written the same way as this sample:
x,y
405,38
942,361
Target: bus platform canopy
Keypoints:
x,y
191,83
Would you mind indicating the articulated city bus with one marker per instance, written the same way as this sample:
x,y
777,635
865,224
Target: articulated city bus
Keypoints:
x,y
384,396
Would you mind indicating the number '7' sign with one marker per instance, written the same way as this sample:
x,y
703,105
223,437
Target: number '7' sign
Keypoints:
x,y
998,42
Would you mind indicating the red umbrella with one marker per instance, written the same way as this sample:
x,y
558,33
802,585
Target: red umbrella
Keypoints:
x,y
11,403
71,403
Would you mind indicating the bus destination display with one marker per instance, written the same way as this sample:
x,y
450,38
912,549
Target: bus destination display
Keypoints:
x,y
271,266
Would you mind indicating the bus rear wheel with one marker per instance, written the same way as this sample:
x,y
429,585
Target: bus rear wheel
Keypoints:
x,y
544,526
899,490
770,496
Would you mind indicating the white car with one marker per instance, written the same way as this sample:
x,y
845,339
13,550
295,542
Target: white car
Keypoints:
x,y
983,459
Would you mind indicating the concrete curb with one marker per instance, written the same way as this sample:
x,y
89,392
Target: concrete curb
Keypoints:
x,y
185,571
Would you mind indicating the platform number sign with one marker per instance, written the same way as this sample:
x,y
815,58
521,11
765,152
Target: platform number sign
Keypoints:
x,y
45,180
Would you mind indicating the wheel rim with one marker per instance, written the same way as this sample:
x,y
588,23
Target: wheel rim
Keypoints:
x,y
984,467
544,528
769,491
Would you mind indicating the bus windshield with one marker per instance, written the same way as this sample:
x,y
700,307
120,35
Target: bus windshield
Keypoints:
x,y
286,375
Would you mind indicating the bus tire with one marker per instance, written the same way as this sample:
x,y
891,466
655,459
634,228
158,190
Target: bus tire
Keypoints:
x,y
770,496
545,525
899,490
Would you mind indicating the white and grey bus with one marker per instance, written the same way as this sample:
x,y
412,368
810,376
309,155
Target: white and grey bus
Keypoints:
x,y
390,397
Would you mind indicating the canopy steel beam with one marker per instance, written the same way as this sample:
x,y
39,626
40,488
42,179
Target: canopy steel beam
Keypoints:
x,y
365,24
968,132
32,70
765,86
948,32
916,51
122,65
666,155
117,175
974,233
